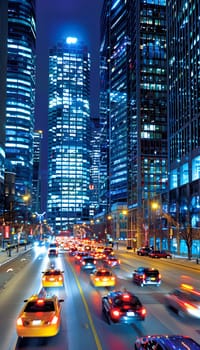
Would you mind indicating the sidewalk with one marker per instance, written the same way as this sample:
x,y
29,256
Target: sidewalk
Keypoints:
x,y
8,255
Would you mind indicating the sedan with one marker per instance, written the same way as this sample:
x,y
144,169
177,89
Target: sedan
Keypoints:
x,y
166,342
160,254
143,251
103,278
40,317
53,278
146,276
185,301
88,263
123,307
111,261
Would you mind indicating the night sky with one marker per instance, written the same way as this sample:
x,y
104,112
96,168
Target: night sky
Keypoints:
x,y
57,19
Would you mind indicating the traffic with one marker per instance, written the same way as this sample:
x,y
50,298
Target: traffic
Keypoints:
x,y
57,301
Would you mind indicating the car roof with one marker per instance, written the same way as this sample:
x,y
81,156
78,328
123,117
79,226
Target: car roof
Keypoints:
x,y
175,342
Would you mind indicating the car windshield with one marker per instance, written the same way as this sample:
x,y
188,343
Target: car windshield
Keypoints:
x,y
151,273
54,273
35,306
103,273
129,300
89,261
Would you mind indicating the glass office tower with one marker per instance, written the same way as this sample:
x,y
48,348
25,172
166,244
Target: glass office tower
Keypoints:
x,y
183,19
3,65
21,95
133,84
68,135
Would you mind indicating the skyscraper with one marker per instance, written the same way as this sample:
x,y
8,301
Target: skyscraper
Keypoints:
x,y
134,87
20,94
68,135
184,114
3,62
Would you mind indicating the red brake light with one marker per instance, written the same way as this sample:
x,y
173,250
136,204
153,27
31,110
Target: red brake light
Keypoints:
x,y
126,296
40,301
115,313
159,276
143,311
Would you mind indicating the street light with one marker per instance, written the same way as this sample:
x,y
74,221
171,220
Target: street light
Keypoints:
x,y
155,206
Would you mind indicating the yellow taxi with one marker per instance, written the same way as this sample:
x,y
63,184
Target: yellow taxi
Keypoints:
x,y
53,278
40,317
103,278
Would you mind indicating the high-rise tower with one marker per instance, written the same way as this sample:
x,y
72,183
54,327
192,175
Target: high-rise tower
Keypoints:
x,y
68,135
184,115
134,103
20,95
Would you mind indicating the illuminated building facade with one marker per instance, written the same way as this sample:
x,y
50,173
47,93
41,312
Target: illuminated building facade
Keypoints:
x,y
20,95
36,187
3,65
134,86
68,135
184,113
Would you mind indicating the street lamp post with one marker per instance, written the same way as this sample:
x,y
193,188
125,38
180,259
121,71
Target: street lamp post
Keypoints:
x,y
155,207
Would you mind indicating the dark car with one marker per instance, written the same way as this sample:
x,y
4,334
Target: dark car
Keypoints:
x,y
111,261
88,263
143,251
79,256
166,342
122,307
53,249
160,254
146,276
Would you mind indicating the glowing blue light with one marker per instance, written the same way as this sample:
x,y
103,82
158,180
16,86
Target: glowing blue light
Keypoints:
x,y
71,40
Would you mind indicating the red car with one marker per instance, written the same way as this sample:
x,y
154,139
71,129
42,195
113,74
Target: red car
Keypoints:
x,y
160,254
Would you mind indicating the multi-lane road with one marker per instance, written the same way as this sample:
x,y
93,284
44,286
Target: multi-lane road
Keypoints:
x,y
83,325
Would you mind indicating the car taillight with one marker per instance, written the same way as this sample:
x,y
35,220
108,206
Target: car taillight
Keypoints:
x,y
143,311
115,313
19,321
96,278
143,276
159,276
60,278
112,278
119,262
54,320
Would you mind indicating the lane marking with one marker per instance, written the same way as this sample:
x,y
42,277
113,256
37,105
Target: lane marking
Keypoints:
x,y
96,338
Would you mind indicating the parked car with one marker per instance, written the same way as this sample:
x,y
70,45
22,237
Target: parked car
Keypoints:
x,y
166,342
160,254
146,276
143,251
